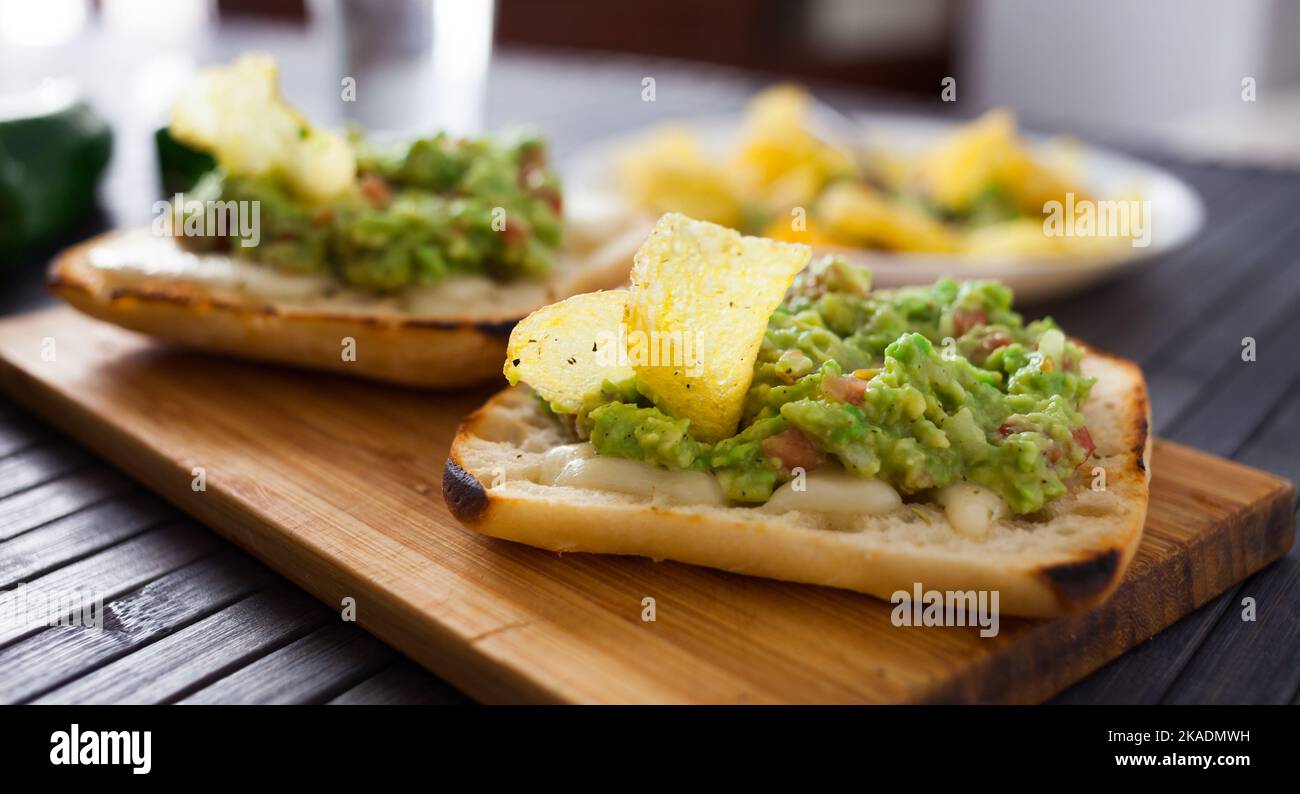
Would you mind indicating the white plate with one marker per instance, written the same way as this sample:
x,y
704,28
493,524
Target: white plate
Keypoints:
x,y
1177,212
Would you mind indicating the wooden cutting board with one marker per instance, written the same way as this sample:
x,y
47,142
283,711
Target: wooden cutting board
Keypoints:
x,y
336,484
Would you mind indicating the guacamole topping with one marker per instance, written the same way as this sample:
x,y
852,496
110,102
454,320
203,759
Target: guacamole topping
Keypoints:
x,y
416,212
920,387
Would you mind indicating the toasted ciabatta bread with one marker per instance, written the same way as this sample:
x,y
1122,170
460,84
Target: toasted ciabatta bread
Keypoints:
x,y
1067,557
453,333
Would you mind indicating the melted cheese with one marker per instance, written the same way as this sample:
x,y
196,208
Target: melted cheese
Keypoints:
x,y
835,491
138,255
971,509
555,459
578,466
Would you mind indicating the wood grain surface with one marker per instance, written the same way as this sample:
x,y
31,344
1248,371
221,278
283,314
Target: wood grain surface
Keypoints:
x,y
335,483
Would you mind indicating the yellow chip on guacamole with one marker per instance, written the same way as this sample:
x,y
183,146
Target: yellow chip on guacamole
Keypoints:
x,y
568,349
700,300
236,114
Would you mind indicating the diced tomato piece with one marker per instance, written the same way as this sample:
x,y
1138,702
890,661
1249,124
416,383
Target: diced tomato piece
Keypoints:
x,y
988,343
375,189
516,232
553,198
1084,439
966,319
843,388
794,450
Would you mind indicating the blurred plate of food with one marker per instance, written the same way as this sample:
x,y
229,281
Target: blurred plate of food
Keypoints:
x,y
914,197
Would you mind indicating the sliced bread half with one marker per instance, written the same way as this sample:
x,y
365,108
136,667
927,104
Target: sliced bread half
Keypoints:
x,y
451,334
1068,557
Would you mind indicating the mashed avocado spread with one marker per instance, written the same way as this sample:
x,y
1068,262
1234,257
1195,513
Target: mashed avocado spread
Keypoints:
x,y
416,213
919,387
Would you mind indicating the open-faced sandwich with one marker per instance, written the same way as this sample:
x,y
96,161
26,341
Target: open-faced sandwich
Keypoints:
x,y
743,409
407,261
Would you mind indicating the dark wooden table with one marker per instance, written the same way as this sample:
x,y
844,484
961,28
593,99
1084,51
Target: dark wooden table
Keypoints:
x,y
189,618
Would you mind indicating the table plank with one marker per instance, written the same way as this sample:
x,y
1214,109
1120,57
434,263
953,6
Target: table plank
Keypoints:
x,y
74,536
402,683
1243,395
1201,373
309,670
1276,445
120,569
57,655
19,430
189,659
39,464
27,510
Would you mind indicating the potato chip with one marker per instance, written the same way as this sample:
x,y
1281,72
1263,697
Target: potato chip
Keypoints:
x,y
1032,184
1023,237
856,213
985,153
671,173
568,349
969,160
778,158
236,113
700,300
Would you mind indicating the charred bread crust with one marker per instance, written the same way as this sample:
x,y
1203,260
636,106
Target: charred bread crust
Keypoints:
x,y
500,330
1143,439
1079,585
466,497
1086,582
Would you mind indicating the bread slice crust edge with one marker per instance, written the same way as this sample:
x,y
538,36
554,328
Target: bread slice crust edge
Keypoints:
x,y
409,350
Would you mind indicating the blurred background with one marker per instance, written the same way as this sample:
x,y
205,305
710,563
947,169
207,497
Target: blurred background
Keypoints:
x,y
1208,80
1112,64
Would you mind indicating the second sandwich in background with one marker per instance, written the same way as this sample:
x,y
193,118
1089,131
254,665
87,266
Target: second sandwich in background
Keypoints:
x,y
419,254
